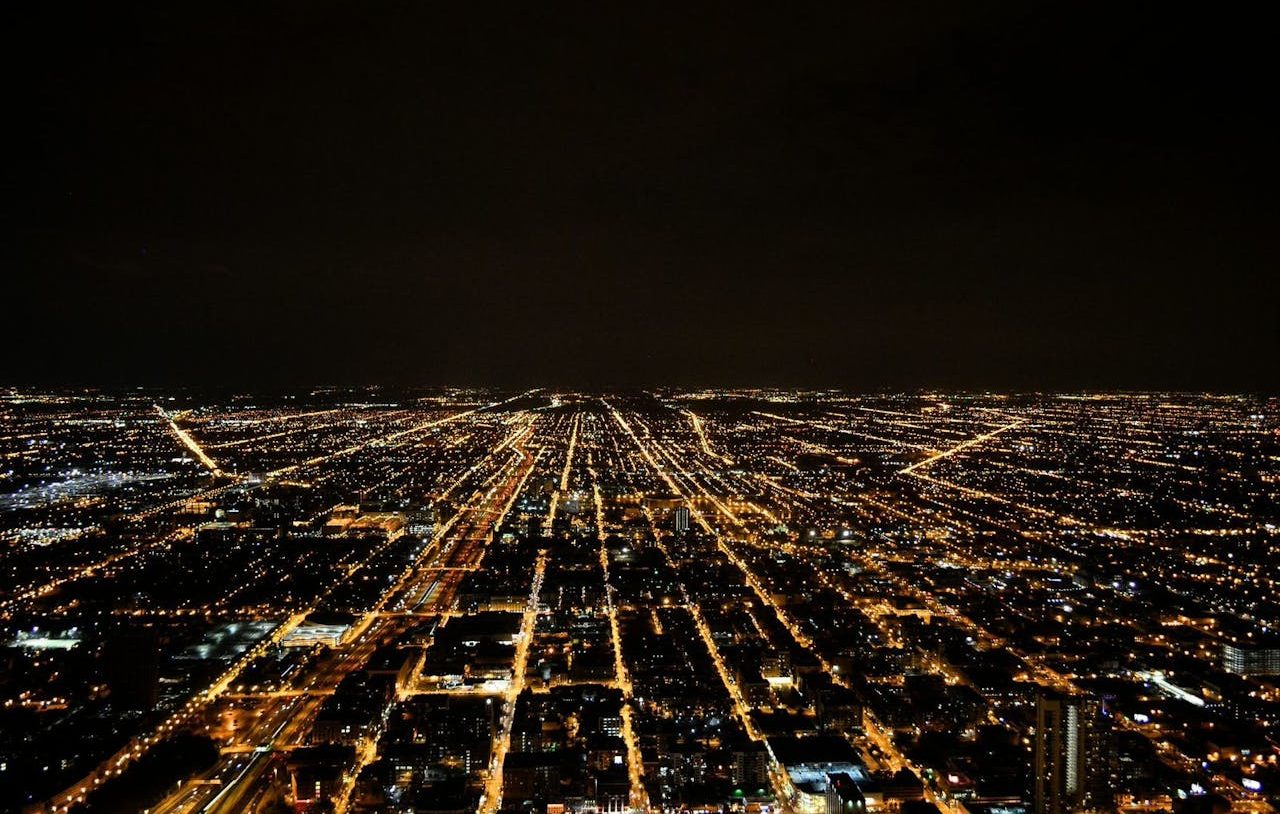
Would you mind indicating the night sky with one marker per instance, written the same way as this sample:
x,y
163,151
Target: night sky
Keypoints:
x,y
863,195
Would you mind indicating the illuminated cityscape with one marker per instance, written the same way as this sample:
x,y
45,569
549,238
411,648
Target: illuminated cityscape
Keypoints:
x,y
639,408
551,602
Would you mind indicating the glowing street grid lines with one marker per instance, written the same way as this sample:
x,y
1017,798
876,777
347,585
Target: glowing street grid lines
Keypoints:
x,y
189,442
638,602
493,791
962,446
635,761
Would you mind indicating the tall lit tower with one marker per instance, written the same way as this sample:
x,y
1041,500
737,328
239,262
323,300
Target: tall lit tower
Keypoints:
x,y
682,519
1070,768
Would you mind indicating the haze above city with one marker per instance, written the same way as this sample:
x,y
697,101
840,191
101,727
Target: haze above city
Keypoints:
x,y
991,195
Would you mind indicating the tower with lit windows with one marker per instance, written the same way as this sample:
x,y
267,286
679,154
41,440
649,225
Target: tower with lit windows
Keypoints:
x,y
1071,771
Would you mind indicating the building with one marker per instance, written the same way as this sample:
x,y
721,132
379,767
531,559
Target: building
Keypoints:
x,y
843,795
838,708
332,629
317,774
420,522
682,519
1070,744
809,763
750,765
531,775
1251,659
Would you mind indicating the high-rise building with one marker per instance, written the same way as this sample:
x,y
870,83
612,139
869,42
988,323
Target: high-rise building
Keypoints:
x,y
750,765
843,795
1261,658
682,519
1071,772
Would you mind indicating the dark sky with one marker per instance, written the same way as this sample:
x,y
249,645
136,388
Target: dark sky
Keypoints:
x,y
865,194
